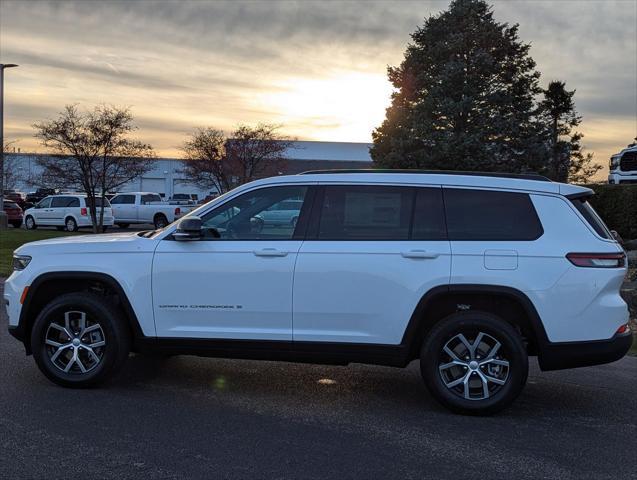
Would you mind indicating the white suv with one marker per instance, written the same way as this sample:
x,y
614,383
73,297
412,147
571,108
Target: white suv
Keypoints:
x,y
70,211
470,274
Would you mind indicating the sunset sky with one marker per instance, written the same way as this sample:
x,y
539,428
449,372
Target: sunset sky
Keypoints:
x,y
318,68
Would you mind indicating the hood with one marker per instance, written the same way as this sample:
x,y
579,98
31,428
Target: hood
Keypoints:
x,y
106,243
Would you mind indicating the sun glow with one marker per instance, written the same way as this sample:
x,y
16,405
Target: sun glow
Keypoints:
x,y
344,107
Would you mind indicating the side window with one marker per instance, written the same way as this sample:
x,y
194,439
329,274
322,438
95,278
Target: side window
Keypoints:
x,y
73,202
58,202
490,215
429,215
123,200
147,199
365,212
46,203
249,216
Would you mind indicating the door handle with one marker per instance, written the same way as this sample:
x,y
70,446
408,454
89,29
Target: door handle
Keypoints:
x,y
270,252
419,254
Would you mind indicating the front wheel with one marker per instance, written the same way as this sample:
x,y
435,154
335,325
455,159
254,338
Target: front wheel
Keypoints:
x,y
79,340
29,223
474,363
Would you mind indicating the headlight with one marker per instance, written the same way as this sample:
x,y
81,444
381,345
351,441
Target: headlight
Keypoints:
x,y
20,262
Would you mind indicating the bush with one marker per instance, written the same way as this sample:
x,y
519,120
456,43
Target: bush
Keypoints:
x,y
617,205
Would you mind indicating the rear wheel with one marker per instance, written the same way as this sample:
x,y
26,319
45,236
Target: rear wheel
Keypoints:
x,y
29,223
123,225
79,340
71,224
160,221
474,363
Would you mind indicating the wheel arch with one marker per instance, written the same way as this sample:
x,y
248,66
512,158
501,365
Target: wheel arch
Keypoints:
x,y
509,303
48,285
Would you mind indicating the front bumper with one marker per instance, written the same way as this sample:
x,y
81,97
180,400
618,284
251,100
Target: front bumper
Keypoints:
x,y
561,355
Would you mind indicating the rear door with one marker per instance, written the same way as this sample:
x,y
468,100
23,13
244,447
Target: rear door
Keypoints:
x,y
371,253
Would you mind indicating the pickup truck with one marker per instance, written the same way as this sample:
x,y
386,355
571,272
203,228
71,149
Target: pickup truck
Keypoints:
x,y
145,207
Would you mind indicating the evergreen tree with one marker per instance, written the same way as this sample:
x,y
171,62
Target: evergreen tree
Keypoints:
x,y
464,99
567,160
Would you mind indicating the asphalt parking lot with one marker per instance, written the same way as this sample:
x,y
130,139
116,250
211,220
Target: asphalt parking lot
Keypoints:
x,y
188,417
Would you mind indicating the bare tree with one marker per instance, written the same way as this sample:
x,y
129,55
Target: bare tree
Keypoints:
x,y
13,171
94,152
257,152
214,161
205,166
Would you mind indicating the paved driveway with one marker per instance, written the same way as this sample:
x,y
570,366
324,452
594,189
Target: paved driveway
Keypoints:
x,y
189,417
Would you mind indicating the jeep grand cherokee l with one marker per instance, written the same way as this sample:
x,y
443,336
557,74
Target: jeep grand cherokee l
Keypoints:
x,y
469,274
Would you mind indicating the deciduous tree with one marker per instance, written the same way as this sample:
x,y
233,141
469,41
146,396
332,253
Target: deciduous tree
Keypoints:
x,y
94,152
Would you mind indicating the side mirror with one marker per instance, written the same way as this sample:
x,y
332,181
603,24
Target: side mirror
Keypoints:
x,y
188,229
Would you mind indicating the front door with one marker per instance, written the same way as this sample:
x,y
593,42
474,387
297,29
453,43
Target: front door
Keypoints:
x,y
237,285
124,208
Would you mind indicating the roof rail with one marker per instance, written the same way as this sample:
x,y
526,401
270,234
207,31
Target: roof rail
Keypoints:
x,y
521,176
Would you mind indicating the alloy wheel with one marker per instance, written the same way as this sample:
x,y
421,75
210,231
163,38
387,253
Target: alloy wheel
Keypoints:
x,y
473,368
75,344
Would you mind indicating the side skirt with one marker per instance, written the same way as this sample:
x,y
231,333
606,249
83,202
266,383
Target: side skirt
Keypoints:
x,y
273,350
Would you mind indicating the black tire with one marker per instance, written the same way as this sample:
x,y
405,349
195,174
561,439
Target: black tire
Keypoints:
x,y
104,228
16,223
29,223
470,324
114,331
160,221
123,225
71,224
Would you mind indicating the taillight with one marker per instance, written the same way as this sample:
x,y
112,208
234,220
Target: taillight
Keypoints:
x,y
597,260
625,328
83,211
177,211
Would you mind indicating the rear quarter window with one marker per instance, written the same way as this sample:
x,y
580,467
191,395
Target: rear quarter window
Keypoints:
x,y
591,217
490,215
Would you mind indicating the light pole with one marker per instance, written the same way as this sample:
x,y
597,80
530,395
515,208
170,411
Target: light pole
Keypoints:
x,y
3,216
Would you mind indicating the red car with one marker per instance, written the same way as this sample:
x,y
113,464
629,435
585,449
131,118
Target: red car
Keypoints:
x,y
14,212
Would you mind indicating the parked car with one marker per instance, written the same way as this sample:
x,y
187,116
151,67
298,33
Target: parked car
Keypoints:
x,y
69,212
469,274
145,207
14,213
39,194
623,166
184,198
17,197
285,213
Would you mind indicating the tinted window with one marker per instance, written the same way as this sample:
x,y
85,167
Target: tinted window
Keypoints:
x,y
45,203
123,200
248,216
146,199
64,202
592,218
365,213
429,215
490,215
98,202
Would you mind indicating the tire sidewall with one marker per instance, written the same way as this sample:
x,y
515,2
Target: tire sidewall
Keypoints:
x,y
66,224
26,223
512,347
95,310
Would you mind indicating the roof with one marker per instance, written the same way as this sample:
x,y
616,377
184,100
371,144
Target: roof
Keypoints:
x,y
471,179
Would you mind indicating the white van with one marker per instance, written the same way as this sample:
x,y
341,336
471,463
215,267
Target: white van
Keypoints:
x,y
69,212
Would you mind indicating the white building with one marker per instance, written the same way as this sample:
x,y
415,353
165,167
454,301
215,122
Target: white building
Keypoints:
x,y
165,179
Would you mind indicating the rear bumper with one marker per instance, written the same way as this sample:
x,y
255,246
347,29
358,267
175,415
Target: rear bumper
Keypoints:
x,y
561,355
